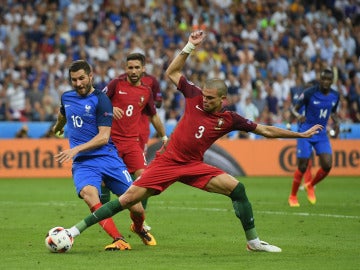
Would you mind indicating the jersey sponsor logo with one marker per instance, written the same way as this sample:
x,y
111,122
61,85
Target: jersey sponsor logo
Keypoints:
x,y
316,102
67,105
220,124
122,93
198,107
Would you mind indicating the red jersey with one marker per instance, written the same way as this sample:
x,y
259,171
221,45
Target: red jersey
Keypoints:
x,y
197,130
133,100
153,83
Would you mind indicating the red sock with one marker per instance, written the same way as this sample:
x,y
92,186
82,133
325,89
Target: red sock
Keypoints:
x,y
107,224
138,221
307,174
296,182
320,175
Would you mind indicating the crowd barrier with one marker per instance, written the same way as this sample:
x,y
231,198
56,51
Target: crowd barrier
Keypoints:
x,y
25,158
39,129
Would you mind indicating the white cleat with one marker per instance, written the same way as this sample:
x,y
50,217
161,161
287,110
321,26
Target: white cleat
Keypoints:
x,y
261,246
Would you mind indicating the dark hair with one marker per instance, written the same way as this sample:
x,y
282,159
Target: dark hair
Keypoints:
x,y
80,64
136,56
326,72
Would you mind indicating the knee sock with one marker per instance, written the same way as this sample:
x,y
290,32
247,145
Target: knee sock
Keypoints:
x,y
296,182
243,211
138,221
320,175
107,224
105,195
307,174
107,210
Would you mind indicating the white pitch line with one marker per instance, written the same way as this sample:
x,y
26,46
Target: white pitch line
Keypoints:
x,y
158,203
263,212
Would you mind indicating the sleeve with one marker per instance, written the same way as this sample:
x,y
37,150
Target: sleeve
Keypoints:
x,y
241,123
334,108
104,112
62,108
156,90
110,89
188,88
150,107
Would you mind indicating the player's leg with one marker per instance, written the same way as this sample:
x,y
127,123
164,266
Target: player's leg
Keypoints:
x,y
307,174
144,202
325,167
227,185
125,201
324,151
87,179
303,154
137,214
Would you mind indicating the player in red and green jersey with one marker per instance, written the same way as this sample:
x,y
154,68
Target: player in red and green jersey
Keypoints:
x,y
181,159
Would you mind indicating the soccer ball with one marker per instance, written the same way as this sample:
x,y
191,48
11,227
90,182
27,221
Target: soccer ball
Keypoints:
x,y
59,240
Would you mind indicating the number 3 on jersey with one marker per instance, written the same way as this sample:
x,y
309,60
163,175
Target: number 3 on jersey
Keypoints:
x,y
200,132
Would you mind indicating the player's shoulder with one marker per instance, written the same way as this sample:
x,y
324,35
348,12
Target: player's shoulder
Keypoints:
x,y
334,92
69,94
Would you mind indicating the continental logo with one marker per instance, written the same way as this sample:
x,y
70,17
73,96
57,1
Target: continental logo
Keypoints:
x,y
344,159
36,158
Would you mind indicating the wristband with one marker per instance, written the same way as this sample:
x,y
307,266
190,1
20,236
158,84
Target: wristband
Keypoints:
x,y
189,47
164,138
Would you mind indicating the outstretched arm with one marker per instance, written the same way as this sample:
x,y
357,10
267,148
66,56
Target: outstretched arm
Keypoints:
x,y
177,64
275,132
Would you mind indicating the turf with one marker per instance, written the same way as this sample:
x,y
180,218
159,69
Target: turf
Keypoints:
x,y
194,229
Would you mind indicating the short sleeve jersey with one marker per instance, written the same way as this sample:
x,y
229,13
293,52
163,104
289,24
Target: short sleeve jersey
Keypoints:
x,y
83,117
154,85
318,107
197,130
132,100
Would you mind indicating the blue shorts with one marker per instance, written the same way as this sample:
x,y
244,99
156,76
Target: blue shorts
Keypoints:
x,y
320,143
93,170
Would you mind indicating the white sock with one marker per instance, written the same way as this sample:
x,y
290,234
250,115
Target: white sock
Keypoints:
x,y
74,231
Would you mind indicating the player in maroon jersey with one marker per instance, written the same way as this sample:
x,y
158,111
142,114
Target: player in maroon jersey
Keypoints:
x,y
131,99
181,159
132,157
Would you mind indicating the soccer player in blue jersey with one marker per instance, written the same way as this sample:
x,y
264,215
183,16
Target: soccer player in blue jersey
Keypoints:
x,y
295,94
319,102
88,114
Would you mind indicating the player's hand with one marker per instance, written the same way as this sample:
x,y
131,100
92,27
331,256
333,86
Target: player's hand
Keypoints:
x,y
118,113
312,131
66,155
197,37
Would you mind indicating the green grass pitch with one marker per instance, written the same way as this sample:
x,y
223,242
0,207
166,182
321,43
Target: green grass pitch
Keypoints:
x,y
194,229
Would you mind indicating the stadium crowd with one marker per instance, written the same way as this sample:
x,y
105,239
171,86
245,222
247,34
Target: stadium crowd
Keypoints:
x,y
262,48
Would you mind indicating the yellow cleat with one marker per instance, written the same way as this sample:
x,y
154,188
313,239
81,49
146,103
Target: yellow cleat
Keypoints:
x,y
310,193
293,201
118,244
145,236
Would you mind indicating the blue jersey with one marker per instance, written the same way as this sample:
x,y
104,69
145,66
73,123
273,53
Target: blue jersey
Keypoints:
x,y
318,107
83,117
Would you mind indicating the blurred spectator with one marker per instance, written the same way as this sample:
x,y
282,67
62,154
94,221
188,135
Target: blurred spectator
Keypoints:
x,y
248,44
22,132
